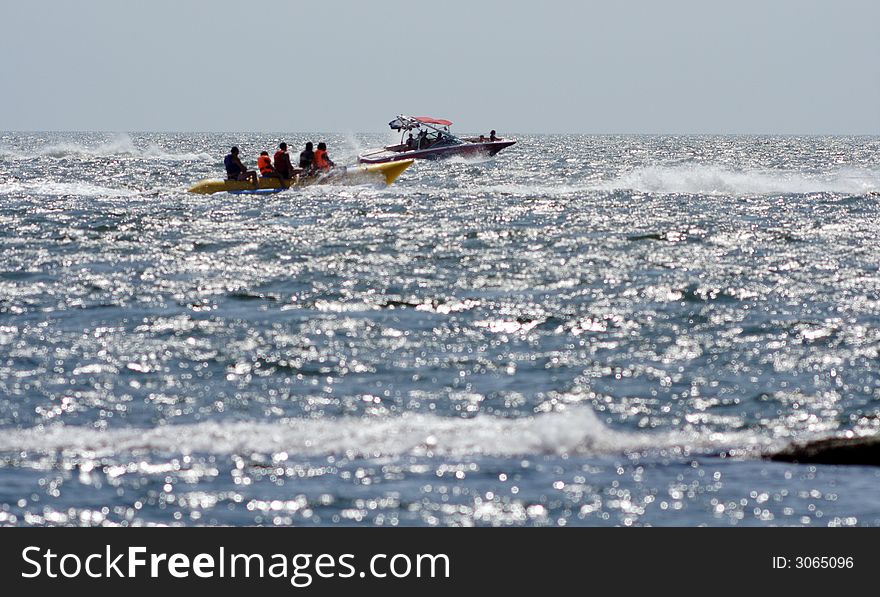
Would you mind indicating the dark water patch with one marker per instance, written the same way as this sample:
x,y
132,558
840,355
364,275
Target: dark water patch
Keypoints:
x,y
399,304
245,295
700,294
552,323
785,237
100,227
668,237
34,276
863,451
201,246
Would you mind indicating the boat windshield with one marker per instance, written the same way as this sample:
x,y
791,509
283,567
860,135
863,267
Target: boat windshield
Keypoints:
x,y
426,131
442,139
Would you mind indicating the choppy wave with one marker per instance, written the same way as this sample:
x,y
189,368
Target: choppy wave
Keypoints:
x,y
121,146
576,431
707,180
62,189
718,180
470,159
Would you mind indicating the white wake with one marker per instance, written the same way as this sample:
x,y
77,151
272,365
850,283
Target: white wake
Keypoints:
x,y
573,431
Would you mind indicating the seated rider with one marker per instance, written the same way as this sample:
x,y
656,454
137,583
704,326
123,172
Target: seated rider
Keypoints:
x,y
423,140
492,136
322,160
264,163
282,162
307,158
410,142
235,170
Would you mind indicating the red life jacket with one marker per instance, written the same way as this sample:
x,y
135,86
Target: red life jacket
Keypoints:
x,y
320,161
265,165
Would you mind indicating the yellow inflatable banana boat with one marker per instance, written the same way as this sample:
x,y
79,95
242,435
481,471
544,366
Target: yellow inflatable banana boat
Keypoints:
x,y
360,174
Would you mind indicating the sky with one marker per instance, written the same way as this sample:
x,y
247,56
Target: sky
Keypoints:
x,y
519,66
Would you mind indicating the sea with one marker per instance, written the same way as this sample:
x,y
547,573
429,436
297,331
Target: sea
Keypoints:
x,y
581,331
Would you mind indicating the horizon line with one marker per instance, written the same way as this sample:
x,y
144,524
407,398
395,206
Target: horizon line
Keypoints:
x,y
553,133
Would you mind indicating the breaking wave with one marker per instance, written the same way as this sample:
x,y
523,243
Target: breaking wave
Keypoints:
x,y
63,189
710,180
717,180
575,431
121,146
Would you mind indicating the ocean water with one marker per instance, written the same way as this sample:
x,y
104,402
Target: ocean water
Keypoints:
x,y
583,330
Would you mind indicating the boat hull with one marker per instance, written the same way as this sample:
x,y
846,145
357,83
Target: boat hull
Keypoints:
x,y
386,172
468,149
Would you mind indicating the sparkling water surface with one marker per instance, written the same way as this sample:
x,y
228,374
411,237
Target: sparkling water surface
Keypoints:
x,y
583,330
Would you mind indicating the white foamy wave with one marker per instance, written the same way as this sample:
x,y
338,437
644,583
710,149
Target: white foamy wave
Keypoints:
x,y
153,151
477,158
121,146
348,151
575,431
717,180
62,189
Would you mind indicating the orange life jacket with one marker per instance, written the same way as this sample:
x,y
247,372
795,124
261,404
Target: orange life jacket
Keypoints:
x,y
265,165
320,161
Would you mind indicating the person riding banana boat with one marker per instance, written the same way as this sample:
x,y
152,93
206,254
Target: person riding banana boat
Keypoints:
x,y
321,160
235,170
264,163
282,168
311,162
282,162
317,168
307,157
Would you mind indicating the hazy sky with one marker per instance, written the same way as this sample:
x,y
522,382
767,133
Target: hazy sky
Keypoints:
x,y
671,66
